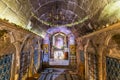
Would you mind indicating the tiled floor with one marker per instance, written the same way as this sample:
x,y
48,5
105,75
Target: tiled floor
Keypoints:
x,y
58,74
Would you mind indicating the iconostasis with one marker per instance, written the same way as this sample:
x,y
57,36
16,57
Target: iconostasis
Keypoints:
x,y
59,44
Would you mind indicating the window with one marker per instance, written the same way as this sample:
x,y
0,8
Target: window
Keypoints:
x,y
5,67
24,63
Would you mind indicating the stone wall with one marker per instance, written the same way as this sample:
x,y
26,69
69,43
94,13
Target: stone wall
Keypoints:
x,y
16,11
101,44
16,41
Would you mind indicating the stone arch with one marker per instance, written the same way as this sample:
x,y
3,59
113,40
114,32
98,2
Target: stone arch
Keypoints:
x,y
113,45
40,52
82,45
26,51
91,61
67,52
36,44
6,43
24,42
91,48
108,41
110,35
7,48
109,50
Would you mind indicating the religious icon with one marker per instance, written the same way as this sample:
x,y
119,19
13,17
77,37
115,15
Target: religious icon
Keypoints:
x,y
58,55
59,42
45,47
72,49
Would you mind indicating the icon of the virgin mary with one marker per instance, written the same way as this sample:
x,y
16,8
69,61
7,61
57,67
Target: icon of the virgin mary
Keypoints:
x,y
59,42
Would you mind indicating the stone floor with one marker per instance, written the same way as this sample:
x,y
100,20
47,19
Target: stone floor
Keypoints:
x,y
58,74
58,62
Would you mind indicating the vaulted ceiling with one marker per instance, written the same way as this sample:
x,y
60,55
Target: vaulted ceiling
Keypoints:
x,y
80,16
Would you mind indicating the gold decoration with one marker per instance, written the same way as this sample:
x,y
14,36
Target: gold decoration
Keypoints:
x,y
72,49
45,48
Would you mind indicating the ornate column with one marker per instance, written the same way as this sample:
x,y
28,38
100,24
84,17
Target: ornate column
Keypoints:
x,y
31,66
86,60
100,61
105,37
16,61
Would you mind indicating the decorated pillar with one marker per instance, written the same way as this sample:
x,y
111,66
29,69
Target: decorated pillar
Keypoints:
x,y
100,63
16,60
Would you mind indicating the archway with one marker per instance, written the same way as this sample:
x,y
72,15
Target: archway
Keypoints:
x,y
25,58
112,57
7,56
58,46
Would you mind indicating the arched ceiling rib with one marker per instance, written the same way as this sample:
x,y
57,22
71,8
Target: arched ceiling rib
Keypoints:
x,y
82,16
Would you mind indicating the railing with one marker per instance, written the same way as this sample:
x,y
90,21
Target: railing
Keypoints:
x,y
36,56
5,67
24,64
112,68
92,67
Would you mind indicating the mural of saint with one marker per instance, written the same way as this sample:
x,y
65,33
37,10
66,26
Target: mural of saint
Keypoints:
x,y
59,42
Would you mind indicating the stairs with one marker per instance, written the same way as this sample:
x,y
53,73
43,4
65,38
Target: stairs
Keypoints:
x,y
58,74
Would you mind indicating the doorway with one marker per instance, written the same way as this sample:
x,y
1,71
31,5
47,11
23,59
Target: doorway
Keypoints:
x,y
57,47
59,53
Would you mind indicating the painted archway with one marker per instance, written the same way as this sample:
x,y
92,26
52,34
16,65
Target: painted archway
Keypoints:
x,y
59,45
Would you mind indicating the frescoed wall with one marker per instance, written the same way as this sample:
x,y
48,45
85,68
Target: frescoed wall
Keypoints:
x,y
59,43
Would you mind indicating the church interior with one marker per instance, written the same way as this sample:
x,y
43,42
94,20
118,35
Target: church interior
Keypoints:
x,y
59,39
